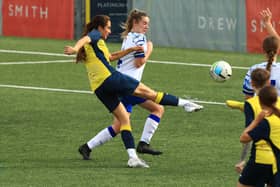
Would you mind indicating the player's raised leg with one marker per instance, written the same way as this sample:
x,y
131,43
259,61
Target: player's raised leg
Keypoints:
x,y
165,99
235,104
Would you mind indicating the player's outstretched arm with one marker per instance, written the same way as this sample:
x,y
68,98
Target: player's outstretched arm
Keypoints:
x,y
266,17
119,54
69,50
244,138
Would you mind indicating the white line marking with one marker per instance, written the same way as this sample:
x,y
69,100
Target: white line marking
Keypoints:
x,y
36,62
208,102
152,61
46,89
191,64
34,53
81,91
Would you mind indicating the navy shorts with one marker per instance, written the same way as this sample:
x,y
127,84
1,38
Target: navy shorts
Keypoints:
x,y
117,85
130,100
254,174
276,181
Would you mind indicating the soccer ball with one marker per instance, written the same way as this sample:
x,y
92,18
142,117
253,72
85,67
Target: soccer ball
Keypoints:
x,y
220,71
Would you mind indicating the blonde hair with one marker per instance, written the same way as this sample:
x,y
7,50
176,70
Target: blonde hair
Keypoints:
x,y
134,15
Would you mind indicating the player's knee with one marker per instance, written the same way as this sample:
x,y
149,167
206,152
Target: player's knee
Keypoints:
x,y
159,110
116,127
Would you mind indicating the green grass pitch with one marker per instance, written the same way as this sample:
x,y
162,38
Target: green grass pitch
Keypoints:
x,y
40,130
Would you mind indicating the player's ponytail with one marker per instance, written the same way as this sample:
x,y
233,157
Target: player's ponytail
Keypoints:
x,y
98,20
135,15
270,56
275,110
268,96
81,55
270,47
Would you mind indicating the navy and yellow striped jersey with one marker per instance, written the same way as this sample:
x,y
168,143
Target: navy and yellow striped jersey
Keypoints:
x,y
97,60
261,151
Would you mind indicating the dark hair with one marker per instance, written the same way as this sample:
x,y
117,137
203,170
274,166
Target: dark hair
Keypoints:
x,y
260,77
270,47
98,20
268,96
134,15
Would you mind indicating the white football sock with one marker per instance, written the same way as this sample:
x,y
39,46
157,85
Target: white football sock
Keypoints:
x,y
131,153
182,102
102,137
150,127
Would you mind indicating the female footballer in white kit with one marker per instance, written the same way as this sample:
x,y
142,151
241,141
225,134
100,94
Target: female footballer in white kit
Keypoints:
x,y
133,65
271,64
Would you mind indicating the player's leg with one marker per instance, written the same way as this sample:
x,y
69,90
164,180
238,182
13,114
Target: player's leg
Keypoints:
x,y
156,112
111,102
128,140
100,138
164,98
235,105
150,127
126,85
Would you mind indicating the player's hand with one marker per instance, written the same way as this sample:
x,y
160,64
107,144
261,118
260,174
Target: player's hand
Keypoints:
x,y
138,48
266,15
69,50
239,166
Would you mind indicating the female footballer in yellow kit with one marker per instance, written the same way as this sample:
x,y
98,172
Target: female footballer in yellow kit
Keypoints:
x,y
109,85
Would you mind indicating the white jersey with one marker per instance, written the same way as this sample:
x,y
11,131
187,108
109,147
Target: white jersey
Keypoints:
x,y
274,77
126,64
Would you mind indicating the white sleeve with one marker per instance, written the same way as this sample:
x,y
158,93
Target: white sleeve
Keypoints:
x,y
140,40
247,87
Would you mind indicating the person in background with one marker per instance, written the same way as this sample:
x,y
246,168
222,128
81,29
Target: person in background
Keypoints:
x,y
266,126
261,160
270,48
266,17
